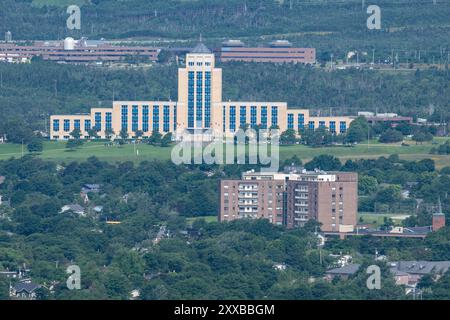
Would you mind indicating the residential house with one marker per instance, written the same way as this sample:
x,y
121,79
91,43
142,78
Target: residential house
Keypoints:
x,y
342,272
24,291
75,208
87,188
415,270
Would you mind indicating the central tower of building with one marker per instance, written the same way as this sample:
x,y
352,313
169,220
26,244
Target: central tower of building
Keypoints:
x,y
199,91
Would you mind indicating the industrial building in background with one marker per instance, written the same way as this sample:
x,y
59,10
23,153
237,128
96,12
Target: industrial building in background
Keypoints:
x,y
292,199
279,51
70,50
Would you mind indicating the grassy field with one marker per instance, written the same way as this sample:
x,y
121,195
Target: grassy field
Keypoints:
x,y
377,219
56,151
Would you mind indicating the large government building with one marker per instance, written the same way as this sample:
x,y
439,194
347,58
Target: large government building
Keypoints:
x,y
199,107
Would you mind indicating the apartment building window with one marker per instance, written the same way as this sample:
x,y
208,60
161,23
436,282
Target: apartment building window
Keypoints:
x,y
166,119
253,116
290,121
263,117
311,125
55,125
66,125
274,117
108,121
343,127
191,64
300,121
333,126
207,99
155,118
145,118
134,118
87,125
124,115
224,118
98,121
232,118
199,100
174,118
242,116
322,124
191,99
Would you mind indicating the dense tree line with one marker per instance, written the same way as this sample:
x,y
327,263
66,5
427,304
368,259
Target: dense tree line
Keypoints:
x,y
198,259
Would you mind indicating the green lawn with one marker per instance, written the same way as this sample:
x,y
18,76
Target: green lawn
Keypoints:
x,y
56,151
377,219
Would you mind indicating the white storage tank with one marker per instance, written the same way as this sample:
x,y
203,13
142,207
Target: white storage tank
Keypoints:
x,y
69,43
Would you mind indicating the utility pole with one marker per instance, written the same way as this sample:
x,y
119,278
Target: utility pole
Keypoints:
x,y
392,57
373,56
331,60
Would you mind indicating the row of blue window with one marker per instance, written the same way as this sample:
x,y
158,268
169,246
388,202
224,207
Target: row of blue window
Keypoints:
x,y
253,117
145,118
191,99
199,100
312,125
124,120
207,121
66,125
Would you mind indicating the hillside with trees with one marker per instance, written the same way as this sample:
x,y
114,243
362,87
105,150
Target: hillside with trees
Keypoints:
x,y
331,26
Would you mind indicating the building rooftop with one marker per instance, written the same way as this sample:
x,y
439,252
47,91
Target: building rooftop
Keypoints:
x,y
72,207
349,269
420,267
28,287
200,48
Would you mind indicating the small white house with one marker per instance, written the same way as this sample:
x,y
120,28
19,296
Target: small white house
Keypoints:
x,y
75,208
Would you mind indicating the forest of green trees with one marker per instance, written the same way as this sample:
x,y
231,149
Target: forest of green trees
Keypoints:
x,y
331,26
211,260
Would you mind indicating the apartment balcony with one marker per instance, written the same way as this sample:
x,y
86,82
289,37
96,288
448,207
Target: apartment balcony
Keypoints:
x,y
248,188
248,195
301,204
248,202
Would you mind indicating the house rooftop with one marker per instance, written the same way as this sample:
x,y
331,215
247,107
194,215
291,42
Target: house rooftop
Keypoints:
x,y
73,207
28,287
349,269
420,267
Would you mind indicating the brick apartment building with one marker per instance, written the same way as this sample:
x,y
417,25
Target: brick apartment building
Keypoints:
x,y
292,199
